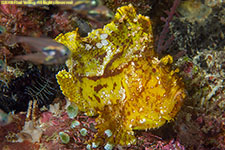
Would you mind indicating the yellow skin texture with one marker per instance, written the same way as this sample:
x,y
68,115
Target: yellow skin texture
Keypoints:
x,y
114,73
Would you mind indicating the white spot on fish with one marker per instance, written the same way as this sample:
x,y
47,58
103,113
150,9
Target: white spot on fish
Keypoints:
x,y
104,42
103,36
99,45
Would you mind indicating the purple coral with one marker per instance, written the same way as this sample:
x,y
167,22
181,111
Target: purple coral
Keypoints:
x,y
163,44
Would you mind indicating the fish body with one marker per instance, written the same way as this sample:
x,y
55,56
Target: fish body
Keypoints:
x,y
93,10
85,5
114,73
43,50
101,14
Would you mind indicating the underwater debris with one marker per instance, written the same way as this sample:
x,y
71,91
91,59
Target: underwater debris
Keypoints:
x,y
115,73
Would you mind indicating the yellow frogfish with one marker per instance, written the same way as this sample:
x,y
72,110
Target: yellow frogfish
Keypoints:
x,y
115,74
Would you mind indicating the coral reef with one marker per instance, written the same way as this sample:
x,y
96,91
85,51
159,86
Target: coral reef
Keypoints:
x,y
202,117
21,82
115,73
194,11
200,33
197,46
162,43
33,84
